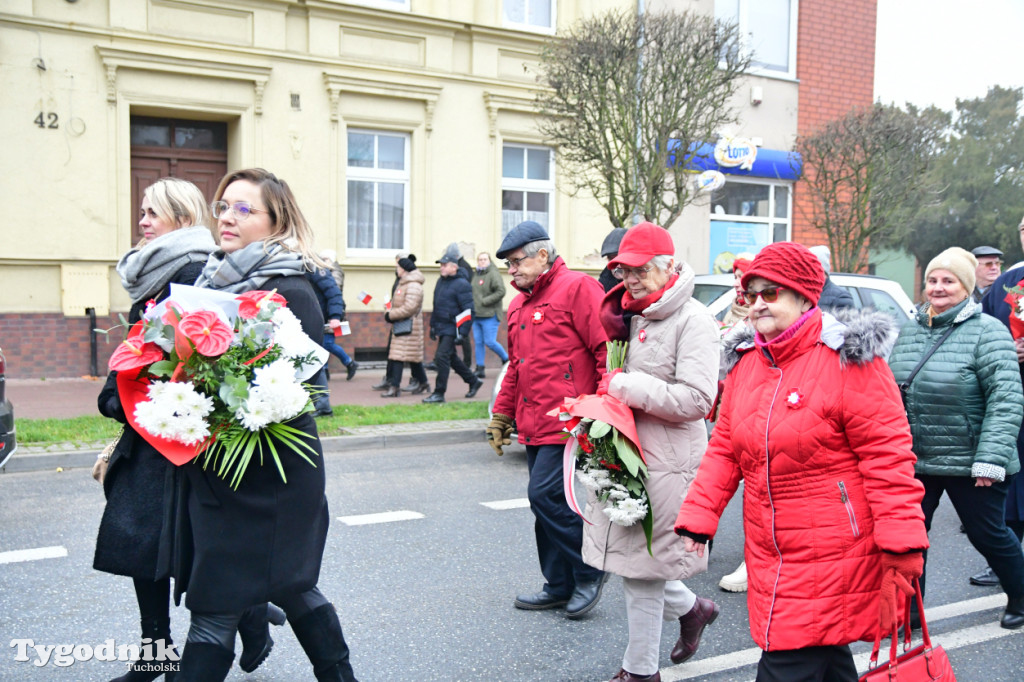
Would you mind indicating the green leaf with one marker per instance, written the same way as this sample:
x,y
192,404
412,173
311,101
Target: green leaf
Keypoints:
x,y
163,368
599,429
627,454
234,390
648,524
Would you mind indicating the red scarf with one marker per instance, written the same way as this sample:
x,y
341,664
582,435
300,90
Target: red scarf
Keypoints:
x,y
638,305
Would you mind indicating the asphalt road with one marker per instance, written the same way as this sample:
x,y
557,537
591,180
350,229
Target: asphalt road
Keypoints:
x,y
430,598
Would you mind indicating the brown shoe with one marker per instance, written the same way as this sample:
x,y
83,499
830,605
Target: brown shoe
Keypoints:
x,y
392,392
691,627
623,676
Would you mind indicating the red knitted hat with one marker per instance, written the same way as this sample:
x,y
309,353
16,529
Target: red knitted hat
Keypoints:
x,y
790,264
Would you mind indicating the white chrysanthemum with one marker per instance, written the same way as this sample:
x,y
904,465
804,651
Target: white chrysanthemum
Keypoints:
x,y
618,493
277,375
175,411
587,479
602,478
626,512
256,414
288,333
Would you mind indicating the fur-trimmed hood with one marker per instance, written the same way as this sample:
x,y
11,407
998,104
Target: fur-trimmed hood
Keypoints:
x,y
859,335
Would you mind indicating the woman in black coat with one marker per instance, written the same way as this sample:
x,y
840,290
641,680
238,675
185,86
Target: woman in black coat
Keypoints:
x,y
133,538
265,540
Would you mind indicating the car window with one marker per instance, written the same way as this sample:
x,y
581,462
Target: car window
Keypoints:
x,y
881,301
706,293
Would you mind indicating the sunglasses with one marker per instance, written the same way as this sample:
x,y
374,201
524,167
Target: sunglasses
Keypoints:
x,y
768,294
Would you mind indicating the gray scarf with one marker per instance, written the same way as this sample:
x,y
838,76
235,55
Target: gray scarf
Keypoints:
x,y
249,268
146,270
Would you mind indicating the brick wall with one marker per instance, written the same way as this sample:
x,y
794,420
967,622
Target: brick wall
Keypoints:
x,y
836,69
50,345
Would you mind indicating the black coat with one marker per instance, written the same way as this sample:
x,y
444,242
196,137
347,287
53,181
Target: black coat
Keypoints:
x,y
452,295
834,296
135,534
266,539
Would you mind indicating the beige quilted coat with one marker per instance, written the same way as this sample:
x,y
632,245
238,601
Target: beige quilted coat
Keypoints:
x,y
670,379
407,301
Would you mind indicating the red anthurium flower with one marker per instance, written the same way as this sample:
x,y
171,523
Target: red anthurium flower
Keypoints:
x,y
250,303
172,317
207,331
133,354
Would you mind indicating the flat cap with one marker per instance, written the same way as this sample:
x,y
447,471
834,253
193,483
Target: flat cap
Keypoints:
x,y
521,235
980,251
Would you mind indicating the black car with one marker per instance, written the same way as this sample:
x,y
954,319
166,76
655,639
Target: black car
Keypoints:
x,y
8,443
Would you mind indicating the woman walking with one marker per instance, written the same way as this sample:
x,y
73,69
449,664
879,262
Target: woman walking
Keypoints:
x,y
812,422
406,303
669,380
488,293
138,481
265,540
964,404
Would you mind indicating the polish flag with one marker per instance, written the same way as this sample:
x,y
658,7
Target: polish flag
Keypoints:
x,y
463,317
364,297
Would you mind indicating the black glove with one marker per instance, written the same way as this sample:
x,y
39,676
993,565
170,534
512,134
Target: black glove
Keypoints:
x,y
387,317
433,334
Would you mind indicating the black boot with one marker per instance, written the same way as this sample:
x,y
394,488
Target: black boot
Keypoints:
x,y
1013,617
158,632
319,633
254,629
202,662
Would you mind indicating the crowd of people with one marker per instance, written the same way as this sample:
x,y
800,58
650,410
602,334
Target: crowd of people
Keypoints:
x,y
845,430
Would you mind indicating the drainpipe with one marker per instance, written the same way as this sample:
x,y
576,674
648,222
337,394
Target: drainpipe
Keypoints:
x,y
93,360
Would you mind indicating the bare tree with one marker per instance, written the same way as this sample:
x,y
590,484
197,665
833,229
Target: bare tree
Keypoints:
x,y
866,177
629,101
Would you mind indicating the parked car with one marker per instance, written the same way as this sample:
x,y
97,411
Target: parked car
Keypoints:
x,y
8,442
868,291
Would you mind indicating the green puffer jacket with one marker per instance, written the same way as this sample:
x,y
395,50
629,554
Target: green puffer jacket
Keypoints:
x,y
966,402
488,292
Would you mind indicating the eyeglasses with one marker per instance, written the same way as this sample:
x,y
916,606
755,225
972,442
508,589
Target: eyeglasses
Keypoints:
x,y
641,273
510,262
768,295
241,209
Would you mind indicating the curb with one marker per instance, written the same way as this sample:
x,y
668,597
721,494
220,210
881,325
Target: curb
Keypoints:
x,y
22,462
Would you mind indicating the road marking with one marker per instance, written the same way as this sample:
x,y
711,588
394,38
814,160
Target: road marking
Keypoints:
x,y
19,555
949,640
518,503
383,517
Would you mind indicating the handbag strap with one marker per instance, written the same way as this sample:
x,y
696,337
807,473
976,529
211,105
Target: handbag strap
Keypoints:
x,y
906,631
920,364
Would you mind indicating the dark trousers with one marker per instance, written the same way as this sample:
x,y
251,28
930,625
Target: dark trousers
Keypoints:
x,y
446,360
467,347
810,664
394,370
558,529
981,512
220,628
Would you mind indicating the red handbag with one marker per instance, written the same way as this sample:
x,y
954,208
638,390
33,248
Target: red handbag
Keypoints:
x,y
923,663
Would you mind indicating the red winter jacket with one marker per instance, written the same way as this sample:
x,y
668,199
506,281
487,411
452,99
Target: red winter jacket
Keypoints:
x,y
818,433
556,349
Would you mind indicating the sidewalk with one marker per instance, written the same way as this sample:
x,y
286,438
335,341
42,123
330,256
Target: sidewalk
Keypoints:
x,y
66,398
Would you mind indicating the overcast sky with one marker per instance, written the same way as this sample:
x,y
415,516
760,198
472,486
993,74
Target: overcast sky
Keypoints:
x,y
934,51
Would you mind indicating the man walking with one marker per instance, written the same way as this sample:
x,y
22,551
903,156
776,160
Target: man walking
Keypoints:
x,y
556,348
451,319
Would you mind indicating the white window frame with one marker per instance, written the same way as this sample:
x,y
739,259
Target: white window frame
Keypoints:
x,y
527,185
359,173
508,23
770,219
745,40
396,5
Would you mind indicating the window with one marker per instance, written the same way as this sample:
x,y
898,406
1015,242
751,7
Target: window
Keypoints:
x,y
768,29
527,186
378,190
531,15
746,217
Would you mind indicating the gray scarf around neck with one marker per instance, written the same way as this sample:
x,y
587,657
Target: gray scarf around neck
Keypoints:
x,y
146,270
249,268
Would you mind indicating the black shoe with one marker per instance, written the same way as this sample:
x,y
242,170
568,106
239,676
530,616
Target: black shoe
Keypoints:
x,y
539,601
324,412
254,629
986,578
474,388
431,366
384,383
351,370
413,387
155,629
420,388
480,371
585,597
392,392
434,398
1013,617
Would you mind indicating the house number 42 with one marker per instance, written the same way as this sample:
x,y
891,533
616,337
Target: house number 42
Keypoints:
x,y
46,119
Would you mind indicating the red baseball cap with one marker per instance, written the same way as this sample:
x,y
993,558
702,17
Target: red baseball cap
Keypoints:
x,y
641,243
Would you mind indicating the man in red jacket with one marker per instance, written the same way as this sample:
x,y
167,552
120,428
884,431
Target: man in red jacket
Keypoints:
x,y
556,348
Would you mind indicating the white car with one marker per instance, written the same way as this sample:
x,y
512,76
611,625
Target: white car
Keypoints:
x,y
868,291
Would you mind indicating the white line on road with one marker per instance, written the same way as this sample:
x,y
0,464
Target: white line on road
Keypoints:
x,y
949,640
383,517
518,503
18,555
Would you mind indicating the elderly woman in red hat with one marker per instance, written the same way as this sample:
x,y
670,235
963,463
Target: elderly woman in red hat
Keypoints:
x,y
811,420
669,380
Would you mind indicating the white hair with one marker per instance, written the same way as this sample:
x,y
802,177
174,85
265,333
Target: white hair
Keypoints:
x,y
533,248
